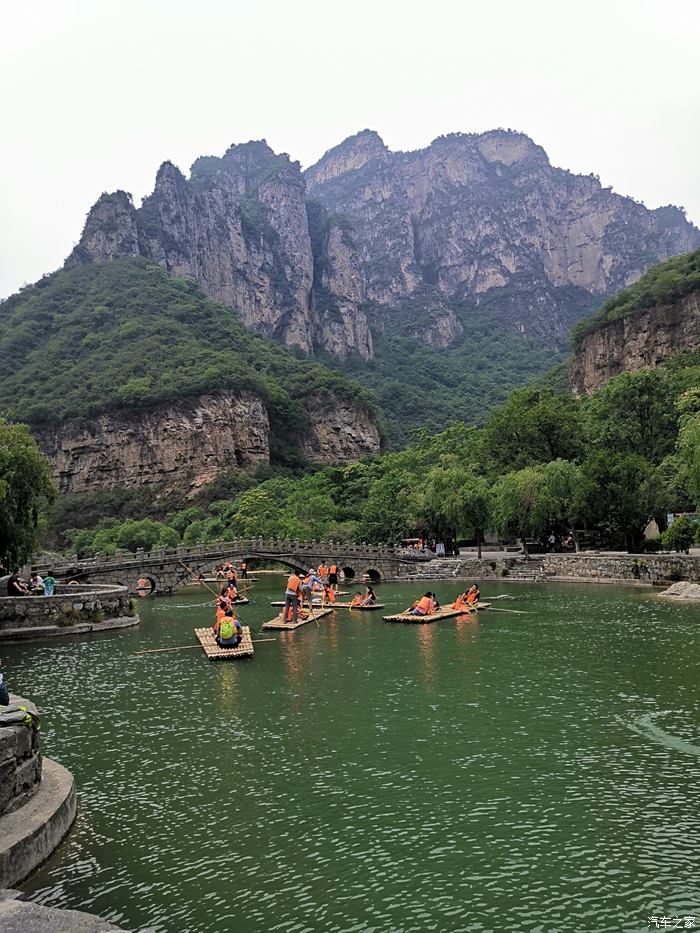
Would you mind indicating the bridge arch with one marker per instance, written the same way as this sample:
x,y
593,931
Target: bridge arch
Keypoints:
x,y
374,575
349,574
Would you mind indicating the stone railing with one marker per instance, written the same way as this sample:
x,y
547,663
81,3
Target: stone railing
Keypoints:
x,y
72,610
20,762
243,546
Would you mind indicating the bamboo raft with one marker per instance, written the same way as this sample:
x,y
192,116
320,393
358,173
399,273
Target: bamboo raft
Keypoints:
x,y
215,653
447,613
278,623
360,608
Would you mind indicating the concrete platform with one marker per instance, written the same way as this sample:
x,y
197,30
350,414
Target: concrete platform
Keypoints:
x,y
80,628
29,835
22,917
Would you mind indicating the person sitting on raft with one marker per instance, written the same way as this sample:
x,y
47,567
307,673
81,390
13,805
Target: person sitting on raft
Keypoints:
x,y
370,597
357,599
473,594
328,594
461,602
230,633
425,606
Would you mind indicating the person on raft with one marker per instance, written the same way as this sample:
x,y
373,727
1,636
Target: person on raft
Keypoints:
x,y
333,576
323,571
244,569
370,597
328,594
230,631
309,583
357,599
292,597
473,594
425,606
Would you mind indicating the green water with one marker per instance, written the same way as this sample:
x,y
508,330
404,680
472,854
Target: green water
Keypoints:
x,y
534,771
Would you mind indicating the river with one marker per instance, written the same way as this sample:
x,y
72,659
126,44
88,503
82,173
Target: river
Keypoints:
x,y
536,770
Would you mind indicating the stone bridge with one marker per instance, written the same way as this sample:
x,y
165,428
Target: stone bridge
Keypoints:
x,y
168,570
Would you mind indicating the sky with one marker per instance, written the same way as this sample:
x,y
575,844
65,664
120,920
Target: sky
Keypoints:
x,y
96,94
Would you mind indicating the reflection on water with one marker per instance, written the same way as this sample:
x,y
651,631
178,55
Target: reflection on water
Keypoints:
x,y
520,772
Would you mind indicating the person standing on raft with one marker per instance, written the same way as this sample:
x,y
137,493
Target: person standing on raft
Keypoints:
x,y
333,577
292,597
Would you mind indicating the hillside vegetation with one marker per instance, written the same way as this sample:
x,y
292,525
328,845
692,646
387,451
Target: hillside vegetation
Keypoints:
x,y
128,334
663,283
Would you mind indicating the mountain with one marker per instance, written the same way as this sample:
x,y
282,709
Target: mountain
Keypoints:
x,y
642,327
326,260
133,378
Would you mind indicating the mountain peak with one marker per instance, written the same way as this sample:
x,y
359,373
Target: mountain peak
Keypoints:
x,y
348,156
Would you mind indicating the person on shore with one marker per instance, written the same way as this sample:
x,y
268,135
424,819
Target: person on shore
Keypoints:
x,y
49,584
333,576
370,597
4,692
230,633
292,597
36,584
15,586
425,606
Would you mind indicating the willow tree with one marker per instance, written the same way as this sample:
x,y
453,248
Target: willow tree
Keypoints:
x,y
458,498
26,488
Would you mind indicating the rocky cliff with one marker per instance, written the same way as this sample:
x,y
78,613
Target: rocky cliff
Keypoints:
x,y
486,216
641,341
183,446
482,220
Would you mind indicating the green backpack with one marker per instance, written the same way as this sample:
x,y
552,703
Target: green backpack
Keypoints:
x,y
15,714
227,629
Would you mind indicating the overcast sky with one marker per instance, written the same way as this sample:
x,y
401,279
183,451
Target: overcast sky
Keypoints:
x,y
96,94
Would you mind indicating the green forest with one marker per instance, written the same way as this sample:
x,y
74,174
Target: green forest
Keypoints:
x,y
128,334
544,461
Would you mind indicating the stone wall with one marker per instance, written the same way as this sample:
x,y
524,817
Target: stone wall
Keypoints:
x,y
613,568
73,610
20,763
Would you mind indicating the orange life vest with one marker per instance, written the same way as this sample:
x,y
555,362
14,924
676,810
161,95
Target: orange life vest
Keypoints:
x,y
425,603
356,601
293,583
333,569
330,594
322,570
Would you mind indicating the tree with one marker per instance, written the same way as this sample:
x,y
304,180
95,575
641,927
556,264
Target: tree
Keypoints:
x,y
392,508
520,504
679,535
26,488
634,413
625,493
460,499
567,491
534,426
689,452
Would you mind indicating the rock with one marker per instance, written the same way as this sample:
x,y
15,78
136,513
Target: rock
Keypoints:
x,y
476,218
181,446
641,341
184,445
683,590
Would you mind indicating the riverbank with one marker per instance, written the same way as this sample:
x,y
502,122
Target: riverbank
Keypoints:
x,y
73,610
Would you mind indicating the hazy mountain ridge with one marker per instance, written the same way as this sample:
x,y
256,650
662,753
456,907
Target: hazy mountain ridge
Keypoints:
x,y
314,259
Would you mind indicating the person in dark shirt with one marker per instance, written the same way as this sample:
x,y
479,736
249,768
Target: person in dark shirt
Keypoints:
x,y
15,587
